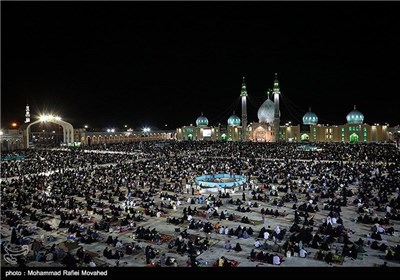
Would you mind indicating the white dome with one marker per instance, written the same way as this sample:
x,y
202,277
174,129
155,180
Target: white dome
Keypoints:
x,y
266,112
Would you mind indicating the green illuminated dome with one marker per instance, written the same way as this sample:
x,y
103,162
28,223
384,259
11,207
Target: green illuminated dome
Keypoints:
x,y
202,120
234,120
310,118
355,117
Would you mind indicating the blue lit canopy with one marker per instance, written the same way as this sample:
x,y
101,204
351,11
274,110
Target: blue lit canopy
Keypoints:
x,y
355,117
202,120
234,120
310,118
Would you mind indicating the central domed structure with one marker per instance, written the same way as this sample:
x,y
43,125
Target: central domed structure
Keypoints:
x,y
266,112
234,120
310,118
202,120
355,117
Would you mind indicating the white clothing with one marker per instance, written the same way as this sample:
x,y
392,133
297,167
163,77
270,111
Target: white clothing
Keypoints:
x,y
276,260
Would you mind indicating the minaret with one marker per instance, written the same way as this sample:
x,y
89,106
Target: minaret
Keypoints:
x,y
27,114
276,91
243,94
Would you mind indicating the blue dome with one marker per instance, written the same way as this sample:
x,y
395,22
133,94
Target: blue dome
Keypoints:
x,y
234,120
202,121
310,118
355,117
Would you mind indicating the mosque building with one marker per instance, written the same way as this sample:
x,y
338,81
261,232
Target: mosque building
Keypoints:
x,y
269,128
353,131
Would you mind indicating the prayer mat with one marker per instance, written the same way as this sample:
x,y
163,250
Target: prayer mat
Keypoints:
x,y
211,241
101,263
166,237
134,253
256,222
68,246
338,259
201,214
234,263
92,254
123,229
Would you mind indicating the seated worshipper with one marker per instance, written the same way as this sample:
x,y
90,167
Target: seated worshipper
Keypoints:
x,y
257,244
109,240
129,249
221,261
376,236
379,228
329,258
170,261
260,256
302,253
80,253
87,258
228,245
253,254
276,260
266,235
119,244
238,248
107,253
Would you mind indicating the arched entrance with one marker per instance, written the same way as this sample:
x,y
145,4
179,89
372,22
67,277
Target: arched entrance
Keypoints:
x,y
190,137
68,129
305,137
223,137
353,138
262,134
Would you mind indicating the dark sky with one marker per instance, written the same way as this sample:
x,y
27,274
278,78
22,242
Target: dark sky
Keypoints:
x,y
144,63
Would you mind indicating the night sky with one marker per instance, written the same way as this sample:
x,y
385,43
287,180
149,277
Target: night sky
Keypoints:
x,y
107,64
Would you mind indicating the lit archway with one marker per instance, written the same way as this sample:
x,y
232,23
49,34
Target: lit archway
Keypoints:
x,y
305,137
260,134
223,137
353,138
68,129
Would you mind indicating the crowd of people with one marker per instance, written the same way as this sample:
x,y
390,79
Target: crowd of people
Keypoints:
x,y
92,192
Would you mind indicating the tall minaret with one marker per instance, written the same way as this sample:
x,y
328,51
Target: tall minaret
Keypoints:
x,y
277,114
27,114
243,94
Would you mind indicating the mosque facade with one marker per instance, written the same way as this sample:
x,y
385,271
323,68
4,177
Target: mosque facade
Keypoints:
x,y
269,128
